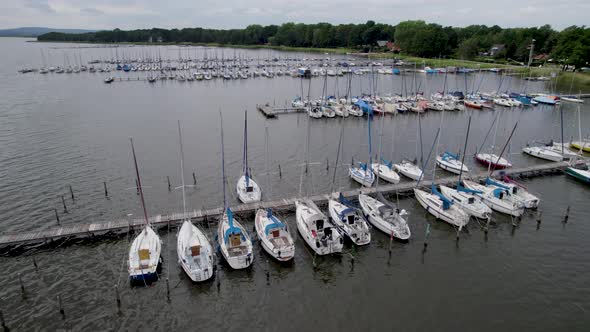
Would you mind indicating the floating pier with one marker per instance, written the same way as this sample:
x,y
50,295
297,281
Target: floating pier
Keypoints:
x,y
272,112
121,225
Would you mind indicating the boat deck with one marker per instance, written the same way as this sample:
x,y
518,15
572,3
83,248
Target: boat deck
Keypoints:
x,y
122,225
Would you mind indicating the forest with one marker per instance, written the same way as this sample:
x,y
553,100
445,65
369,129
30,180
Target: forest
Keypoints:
x,y
570,46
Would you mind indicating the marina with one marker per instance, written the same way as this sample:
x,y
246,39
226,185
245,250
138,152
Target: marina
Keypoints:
x,y
73,209
288,204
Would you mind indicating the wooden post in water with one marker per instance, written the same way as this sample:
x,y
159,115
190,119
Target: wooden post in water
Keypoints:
x,y
194,179
168,289
117,296
61,308
539,219
3,322
56,216
280,173
22,285
63,201
72,194
567,214
106,191
35,264
169,186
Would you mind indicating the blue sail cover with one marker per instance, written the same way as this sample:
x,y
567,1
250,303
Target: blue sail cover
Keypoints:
x,y
231,229
363,166
276,223
387,163
498,192
446,202
395,71
467,190
345,212
497,184
366,108
345,201
449,156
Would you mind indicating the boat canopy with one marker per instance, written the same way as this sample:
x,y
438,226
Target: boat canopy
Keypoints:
x,y
345,212
231,230
276,223
467,190
449,156
364,106
496,183
499,192
345,201
446,202
387,163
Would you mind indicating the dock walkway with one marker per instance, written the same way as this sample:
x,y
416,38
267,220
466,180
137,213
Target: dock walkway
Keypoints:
x,y
88,230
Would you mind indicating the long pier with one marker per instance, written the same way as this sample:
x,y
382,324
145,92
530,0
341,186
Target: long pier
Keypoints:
x,y
160,220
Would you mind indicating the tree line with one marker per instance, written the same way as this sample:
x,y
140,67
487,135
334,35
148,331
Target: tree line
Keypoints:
x,y
570,46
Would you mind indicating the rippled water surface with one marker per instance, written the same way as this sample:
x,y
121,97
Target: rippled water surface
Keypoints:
x,y
72,129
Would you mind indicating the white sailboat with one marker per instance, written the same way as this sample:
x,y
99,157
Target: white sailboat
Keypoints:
x,y
384,169
468,201
349,220
441,207
144,253
385,218
450,162
498,199
363,173
529,200
247,189
195,253
319,234
234,242
273,233
408,168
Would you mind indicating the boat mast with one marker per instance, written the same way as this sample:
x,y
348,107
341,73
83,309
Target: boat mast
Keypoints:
x,y
222,164
380,145
504,148
182,170
245,157
464,149
337,159
147,222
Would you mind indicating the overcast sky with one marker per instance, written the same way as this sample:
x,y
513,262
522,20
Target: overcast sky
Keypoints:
x,y
135,14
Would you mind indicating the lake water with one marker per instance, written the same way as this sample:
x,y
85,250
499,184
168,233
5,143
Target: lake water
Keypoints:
x,y
72,129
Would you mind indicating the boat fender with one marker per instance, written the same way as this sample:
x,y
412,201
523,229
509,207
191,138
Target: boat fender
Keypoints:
x,y
317,244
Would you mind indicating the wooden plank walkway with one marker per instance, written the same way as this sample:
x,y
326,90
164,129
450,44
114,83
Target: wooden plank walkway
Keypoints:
x,y
272,112
87,230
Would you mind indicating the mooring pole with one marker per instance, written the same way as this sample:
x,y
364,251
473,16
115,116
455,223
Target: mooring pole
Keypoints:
x,y
61,308
169,186
63,200
56,216
72,193
194,179
106,191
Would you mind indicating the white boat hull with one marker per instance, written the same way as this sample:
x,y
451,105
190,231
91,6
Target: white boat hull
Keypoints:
x,y
248,190
358,232
394,225
385,173
281,247
195,253
454,215
306,212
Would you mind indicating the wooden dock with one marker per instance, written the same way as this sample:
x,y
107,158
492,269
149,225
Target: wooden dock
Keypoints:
x,y
272,112
286,204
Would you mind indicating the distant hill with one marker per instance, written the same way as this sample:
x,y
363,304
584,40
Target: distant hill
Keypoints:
x,y
36,31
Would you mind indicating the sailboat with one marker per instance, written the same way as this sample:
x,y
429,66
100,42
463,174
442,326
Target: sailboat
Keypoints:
x,y
144,253
490,159
466,198
450,162
273,233
518,191
195,253
574,170
382,214
349,219
234,242
363,173
408,168
248,190
313,226
498,199
438,204
384,169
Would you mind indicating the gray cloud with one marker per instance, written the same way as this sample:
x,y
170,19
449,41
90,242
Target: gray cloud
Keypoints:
x,y
40,5
132,14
